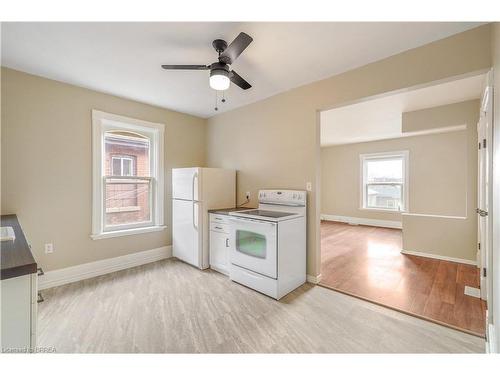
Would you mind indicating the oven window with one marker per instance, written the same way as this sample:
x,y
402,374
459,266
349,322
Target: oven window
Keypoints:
x,y
251,243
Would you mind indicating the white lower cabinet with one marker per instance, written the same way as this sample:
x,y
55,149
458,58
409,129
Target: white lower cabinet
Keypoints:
x,y
19,313
219,244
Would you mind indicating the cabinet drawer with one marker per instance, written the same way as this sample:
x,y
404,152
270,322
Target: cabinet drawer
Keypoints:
x,y
219,227
223,219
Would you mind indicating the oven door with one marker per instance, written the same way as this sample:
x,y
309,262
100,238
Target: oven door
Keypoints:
x,y
254,246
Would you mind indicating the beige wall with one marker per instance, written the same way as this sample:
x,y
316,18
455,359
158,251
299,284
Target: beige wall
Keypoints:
x,y
441,117
46,165
442,167
275,142
445,236
442,236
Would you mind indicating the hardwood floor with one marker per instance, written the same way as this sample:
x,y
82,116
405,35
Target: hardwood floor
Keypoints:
x,y
366,262
170,307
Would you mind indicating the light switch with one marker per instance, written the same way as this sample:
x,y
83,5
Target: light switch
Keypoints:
x,y
49,248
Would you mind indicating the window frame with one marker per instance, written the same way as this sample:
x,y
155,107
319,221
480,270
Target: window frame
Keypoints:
x,y
103,122
404,155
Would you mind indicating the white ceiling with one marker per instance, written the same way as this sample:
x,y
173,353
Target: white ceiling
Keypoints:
x,y
124,58
381,118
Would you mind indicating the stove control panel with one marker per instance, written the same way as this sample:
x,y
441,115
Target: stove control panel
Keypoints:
x,y
283,197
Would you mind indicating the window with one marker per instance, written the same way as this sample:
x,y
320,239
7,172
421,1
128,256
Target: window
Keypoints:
x,y
384,181
127,176
122,165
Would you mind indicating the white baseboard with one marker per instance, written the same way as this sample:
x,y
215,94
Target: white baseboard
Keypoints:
x,y
491,344
87,270
440,257
314,279
363,221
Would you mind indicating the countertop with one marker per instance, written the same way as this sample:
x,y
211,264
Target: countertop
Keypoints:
x,y
16,257
226,211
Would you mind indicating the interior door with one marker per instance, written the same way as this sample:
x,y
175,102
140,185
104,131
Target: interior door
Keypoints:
x,y
485,135
186,231
186,183
481,219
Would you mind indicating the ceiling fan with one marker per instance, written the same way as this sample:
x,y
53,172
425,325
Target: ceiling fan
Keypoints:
x,y
220,73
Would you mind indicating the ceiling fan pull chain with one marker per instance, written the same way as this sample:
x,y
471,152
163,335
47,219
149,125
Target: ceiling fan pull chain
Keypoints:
x,y
223,97
216,92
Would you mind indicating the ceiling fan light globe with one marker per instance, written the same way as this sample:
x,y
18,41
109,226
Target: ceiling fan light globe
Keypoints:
x,y
219,80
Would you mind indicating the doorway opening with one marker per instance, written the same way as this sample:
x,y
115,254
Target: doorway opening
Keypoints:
x,y
400,183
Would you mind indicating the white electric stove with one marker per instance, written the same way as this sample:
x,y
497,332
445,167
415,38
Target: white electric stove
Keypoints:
x,y
268,244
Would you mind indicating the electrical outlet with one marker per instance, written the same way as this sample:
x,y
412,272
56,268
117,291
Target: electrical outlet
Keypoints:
x,y
309,186
49,248
247,195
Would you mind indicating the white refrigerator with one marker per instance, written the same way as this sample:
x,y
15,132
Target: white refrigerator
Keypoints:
x,y
194,192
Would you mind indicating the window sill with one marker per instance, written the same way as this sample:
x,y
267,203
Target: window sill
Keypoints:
x,y
122,209
382,210
127,232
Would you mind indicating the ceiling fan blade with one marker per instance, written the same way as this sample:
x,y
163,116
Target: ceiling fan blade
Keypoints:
x,y
238,81
186,67
235,49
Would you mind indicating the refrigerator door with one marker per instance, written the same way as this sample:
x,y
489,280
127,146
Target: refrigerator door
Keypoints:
x,y
187,231
186,183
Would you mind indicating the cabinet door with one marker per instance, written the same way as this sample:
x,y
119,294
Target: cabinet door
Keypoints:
x,y
219,243
16,313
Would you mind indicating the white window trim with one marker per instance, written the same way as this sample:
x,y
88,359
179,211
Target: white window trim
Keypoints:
x,y
102,122
406,185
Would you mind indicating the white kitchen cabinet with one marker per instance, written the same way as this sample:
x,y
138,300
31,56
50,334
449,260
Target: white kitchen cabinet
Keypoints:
x,y
219,243
18,291
19,313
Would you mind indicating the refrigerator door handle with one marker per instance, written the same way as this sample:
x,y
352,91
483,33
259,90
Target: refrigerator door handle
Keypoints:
x,y
194,223
195,176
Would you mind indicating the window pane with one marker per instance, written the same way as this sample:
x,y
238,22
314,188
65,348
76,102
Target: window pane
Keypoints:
x,y
384,196
127,167
384,170
127,201
117,167
251,243
131,150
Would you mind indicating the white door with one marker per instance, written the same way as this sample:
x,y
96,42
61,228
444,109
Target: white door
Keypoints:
x,y
485,170
186,231
254,246
186,183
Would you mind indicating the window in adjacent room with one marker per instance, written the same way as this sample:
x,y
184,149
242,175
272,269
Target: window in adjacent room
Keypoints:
x,y
128,176
384,181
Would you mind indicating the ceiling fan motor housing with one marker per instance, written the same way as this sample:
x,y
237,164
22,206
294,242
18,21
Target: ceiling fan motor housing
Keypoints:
x,y
219,68
219,45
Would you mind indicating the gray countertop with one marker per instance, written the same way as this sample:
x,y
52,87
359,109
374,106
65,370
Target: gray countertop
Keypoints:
x,y
16,257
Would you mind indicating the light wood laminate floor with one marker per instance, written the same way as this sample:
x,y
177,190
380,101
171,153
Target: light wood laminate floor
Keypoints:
x,y
168,306
367,262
